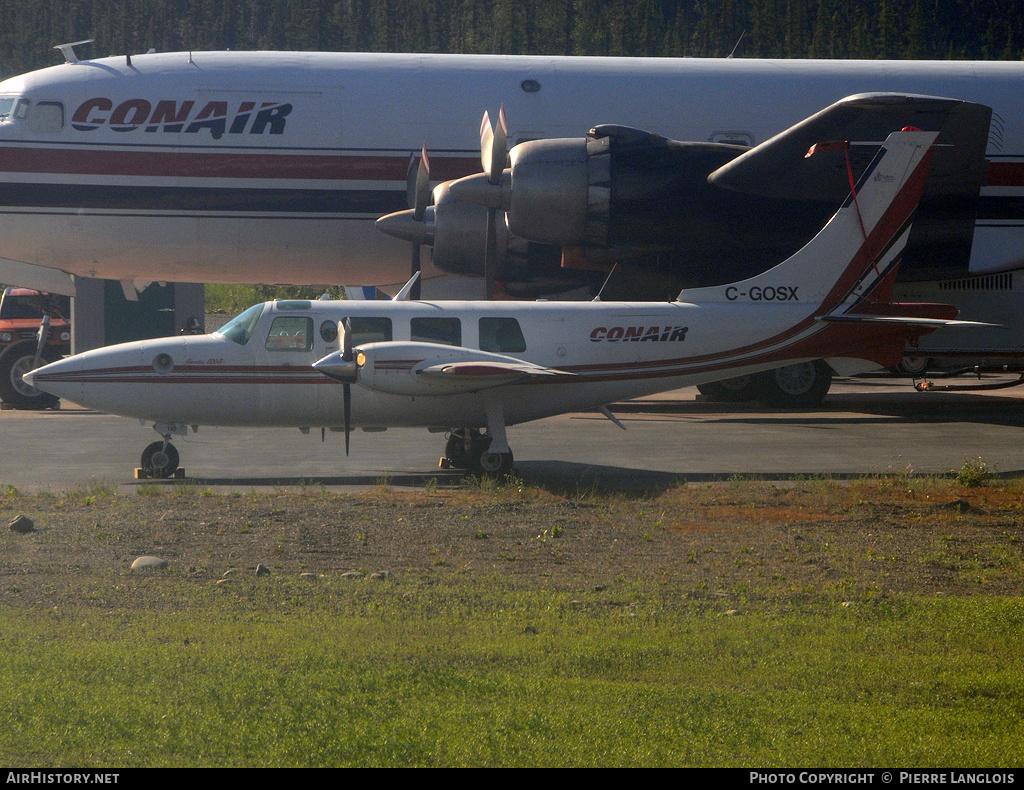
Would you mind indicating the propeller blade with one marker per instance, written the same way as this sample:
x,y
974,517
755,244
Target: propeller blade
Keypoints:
x,y
494,145
499,148
493,155
490,253
346,341
423,195
417,187
346,355
486,140
414,292
347,395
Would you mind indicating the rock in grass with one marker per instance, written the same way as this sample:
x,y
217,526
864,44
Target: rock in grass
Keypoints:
x,y
353,575
149,562
262,570
382,576
22,524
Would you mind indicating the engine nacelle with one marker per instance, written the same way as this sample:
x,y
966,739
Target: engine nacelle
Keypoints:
x,y
430,369
557,194
617,187
460,234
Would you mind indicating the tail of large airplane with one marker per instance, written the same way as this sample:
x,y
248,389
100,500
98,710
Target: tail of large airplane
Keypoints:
x,y
856,253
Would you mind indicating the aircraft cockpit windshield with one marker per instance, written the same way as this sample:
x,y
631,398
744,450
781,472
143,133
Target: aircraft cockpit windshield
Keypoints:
x,y
240,328
13,107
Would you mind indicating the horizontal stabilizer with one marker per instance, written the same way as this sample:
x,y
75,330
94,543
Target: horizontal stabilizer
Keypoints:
x,y
905,320
780,168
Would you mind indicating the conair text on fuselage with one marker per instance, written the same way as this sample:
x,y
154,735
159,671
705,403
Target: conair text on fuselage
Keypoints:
x,y
188,116
613,334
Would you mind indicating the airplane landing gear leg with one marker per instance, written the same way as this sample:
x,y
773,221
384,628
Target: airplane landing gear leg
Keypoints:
x,y
497,458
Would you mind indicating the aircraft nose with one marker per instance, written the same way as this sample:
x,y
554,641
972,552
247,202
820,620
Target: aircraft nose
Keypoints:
x,y
30,377
46,378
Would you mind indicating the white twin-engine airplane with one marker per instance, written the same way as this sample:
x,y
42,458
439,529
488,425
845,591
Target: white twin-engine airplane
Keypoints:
x,y
467,366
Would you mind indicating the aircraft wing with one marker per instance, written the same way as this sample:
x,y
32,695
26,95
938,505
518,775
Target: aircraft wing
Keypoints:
x,y
779,167
41,278
475,374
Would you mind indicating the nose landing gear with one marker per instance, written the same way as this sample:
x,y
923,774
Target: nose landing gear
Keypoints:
x,y
160,459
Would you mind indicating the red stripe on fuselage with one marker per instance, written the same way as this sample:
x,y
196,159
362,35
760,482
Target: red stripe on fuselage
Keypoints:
x,y
178,164
1005,174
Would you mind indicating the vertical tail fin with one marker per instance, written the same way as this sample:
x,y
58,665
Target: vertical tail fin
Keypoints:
x,y
857,247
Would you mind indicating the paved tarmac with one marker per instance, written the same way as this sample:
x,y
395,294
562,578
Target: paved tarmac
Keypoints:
x,y
865,427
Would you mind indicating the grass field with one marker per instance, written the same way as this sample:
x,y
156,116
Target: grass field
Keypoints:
x,y
873,623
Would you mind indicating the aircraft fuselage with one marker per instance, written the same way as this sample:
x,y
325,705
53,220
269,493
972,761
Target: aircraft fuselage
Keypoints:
x,y
271,166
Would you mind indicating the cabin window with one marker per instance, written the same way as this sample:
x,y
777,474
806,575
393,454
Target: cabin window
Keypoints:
x,y
370,330
447,331
291,333
501,335
240,328
48,116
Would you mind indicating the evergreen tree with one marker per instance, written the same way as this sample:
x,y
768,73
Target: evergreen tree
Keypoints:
x,y
982,29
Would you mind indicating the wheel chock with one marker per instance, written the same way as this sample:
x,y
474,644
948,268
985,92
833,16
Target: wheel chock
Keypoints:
x,y
444,463
140,474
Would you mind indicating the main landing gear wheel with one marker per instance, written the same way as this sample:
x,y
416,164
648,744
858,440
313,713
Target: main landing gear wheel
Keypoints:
x,y
15,362
464,448
496,464
467,449
913,366
800,385
160,460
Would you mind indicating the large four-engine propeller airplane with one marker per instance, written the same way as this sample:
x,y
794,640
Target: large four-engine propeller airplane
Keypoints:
x,y
272,166
474,368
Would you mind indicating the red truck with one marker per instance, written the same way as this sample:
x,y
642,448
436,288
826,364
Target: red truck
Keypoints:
x,y
21,315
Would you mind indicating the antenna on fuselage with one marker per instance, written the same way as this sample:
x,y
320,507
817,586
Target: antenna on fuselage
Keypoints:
x,y
406,292
605,283
737,43
68,50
